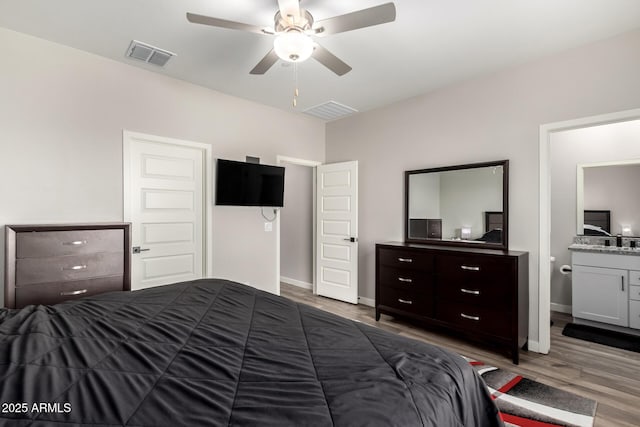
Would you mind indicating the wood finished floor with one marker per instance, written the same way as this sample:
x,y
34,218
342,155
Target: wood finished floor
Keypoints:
x,y
606,374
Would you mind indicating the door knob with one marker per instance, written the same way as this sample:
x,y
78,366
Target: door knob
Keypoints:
x,y
351,239
138,249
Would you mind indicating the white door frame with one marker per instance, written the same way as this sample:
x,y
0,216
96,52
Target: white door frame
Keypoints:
x,y
312,164
207,186
544,253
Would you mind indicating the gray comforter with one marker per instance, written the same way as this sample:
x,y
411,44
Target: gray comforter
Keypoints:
x,y
214,352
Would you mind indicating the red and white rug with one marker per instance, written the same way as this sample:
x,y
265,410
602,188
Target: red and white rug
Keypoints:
x,y
526,403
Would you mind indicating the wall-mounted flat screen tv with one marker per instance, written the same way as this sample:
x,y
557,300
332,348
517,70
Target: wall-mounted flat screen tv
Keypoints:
x,y
249,184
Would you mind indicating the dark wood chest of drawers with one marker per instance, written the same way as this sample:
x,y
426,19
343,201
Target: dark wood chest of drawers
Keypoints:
x,y
480,294
48,264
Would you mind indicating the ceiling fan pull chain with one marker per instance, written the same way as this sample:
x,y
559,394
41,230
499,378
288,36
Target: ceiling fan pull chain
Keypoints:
x,y
295,84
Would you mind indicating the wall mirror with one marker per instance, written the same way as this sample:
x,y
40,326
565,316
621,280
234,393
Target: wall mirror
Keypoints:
x,y
462,205
608,202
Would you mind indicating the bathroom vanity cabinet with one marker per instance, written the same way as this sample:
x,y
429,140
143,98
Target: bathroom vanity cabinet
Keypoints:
x,y
606,288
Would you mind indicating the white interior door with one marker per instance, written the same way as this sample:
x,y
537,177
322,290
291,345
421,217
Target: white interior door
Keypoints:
x,y
164,201
337,231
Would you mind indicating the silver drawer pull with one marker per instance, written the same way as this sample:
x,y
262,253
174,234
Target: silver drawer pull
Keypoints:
x,y
402,279
469,291
466,316
470,267
404,301
75,243
78,292
405,260
76,267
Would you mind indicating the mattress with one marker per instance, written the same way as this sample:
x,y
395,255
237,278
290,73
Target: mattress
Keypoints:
x,y
215,352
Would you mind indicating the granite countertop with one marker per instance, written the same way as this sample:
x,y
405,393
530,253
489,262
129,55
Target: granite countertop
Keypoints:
x,y
614,250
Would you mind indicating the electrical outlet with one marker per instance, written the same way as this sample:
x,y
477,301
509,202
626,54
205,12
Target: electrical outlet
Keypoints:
x,y
268,226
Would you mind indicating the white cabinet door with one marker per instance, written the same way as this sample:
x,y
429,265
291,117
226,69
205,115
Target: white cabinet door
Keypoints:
x,y
601,294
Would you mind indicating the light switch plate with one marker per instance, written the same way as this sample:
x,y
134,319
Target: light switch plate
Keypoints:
x,y
268,226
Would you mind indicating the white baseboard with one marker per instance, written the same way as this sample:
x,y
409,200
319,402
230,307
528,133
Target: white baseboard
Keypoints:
x,y
299,283
367,301
562,308
295,282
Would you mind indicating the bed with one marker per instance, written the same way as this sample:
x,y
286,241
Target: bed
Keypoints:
x,y
215,352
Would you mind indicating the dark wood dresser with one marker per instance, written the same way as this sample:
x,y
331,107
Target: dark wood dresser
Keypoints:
x,y
48,264
480,294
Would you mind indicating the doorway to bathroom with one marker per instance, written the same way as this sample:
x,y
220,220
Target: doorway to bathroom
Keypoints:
x,y
595,137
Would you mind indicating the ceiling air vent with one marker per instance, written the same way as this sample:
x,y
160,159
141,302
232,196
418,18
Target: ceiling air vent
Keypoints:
x,y
330,110
147,53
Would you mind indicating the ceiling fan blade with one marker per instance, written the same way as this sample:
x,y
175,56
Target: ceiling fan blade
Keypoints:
x,y
360,19
223,23
265,63
330,61
289,8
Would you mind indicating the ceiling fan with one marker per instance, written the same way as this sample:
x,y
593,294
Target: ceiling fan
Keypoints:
x,y
294,28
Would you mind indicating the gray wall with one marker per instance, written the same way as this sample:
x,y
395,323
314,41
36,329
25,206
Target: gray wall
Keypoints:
x,y
597,144
488,118
296,225
62,112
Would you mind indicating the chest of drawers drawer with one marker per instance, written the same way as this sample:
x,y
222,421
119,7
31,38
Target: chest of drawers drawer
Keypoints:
x,y
72,242
53,293
474,318
473,293
406,278
480,270
406,259
406,300
57,269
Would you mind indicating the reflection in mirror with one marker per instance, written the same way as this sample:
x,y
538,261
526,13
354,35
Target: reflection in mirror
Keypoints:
x,y
459,205
608,203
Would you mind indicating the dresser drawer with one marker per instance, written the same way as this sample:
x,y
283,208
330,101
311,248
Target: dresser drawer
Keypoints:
x,y
404,278
473,291
409,301
72,242
485,268
634,314
53,293
402,258
57,269
475,318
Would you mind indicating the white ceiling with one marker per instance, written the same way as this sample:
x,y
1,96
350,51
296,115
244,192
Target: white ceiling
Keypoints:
x,y
432,43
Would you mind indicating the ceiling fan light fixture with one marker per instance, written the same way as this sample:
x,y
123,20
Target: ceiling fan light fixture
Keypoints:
x,y
293,46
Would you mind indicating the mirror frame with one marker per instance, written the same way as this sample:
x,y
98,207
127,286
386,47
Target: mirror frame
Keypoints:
x,y
505,206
